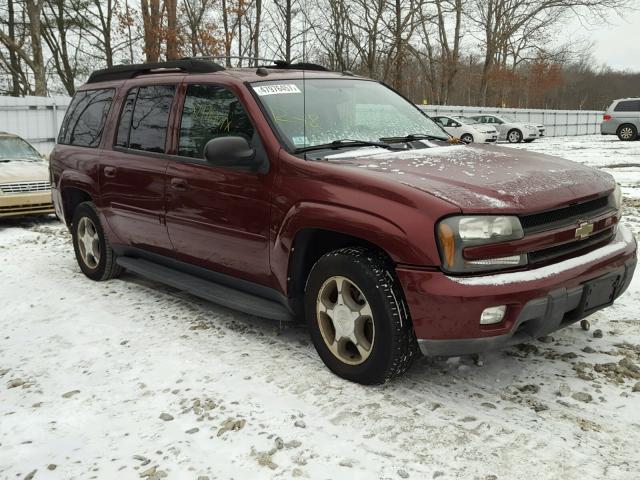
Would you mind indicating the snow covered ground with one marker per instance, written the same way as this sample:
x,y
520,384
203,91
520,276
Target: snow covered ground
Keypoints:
x,y
130,379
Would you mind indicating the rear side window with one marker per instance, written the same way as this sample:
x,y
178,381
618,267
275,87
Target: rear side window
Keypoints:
x,y
627,106
144,118
210,112
84,122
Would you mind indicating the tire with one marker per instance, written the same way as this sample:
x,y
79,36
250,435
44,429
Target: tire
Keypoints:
x,y
467,138
93,251
368,280
627,132
514,136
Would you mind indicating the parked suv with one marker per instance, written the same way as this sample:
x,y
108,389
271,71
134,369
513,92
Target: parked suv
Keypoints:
x,y
293,192
622,118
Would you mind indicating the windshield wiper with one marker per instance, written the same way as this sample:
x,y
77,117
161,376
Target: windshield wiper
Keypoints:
x,y
346,142
413,137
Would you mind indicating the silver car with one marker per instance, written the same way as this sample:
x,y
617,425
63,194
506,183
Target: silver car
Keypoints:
x,y
510,129
622,118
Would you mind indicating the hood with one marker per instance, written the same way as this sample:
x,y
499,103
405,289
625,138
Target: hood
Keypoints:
x,y
482,178
21,171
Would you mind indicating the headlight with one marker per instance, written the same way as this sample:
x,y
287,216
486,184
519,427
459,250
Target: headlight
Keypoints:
x,y
457,233
616,197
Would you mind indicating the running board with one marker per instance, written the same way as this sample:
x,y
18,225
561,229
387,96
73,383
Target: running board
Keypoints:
x,y
214,292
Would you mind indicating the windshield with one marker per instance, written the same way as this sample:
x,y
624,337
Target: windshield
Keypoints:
x,y
14,148
338,109
467,120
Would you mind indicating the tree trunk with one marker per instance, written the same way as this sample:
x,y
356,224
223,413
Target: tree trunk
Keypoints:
x,y
172,29
14,61
256,33
151,26
34,12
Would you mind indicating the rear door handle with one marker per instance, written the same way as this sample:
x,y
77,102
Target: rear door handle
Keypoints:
x,y
110,172
179,184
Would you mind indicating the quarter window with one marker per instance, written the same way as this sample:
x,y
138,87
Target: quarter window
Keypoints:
x,y
210,112
85,119
628,106
144,118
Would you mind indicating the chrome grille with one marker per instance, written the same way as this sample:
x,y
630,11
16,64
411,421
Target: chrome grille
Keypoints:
x,y
25,187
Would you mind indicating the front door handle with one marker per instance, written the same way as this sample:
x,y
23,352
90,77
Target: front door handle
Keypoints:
x,y
179,184
110,172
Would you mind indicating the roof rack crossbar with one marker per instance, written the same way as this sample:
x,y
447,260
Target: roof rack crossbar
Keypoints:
x,y
231,57
282,64
124,72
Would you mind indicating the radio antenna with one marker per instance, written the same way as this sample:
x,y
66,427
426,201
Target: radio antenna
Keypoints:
x,y
304,83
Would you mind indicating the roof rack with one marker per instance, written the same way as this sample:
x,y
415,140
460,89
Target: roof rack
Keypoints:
x,y
231,57
282,64
123,72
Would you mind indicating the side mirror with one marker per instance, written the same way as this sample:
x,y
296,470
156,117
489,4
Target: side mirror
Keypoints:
x,y
230,152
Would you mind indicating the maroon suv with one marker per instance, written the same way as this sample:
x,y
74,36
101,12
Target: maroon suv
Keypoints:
x,y
288,191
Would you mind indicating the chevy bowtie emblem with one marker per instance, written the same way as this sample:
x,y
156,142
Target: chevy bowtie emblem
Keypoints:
x,y
584,230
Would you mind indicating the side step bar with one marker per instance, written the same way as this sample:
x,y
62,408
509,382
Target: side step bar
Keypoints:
x,y
214,292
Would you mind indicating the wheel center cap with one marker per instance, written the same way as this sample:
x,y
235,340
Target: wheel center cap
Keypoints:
x,y
343,322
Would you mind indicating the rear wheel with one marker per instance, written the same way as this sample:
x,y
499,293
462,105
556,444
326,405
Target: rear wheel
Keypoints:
x,y
357,316
514,136
467,138
93,251
627,132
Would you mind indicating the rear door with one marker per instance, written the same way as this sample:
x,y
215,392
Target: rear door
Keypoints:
x,y
218,216
133,174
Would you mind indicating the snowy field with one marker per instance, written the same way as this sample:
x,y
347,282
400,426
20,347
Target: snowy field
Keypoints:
x,y
129,379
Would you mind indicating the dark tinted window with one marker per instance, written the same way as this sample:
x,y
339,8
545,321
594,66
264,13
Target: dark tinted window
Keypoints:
x,y
122,139
150,117
210,112
85,118
628,106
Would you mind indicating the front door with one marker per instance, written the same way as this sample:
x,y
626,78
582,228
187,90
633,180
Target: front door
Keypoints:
x,y
133,175
217,216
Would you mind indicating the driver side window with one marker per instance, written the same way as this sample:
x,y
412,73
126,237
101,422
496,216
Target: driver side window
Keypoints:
x,y
210,112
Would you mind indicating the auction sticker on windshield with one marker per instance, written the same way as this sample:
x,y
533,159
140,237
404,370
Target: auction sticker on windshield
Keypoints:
x,y
277,89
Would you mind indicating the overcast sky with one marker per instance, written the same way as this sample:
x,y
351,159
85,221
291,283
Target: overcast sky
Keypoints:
x,y
617,43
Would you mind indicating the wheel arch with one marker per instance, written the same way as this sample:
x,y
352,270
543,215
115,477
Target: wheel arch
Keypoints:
x,y
72,196
309,245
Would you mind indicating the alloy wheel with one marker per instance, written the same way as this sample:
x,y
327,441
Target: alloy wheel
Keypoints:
x,y
626,133
88,242
345,320
514,136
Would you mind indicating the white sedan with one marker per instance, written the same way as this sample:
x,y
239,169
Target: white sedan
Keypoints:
x,y
467,129
510,129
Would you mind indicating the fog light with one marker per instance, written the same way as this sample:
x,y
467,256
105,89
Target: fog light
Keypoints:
x,y
492,315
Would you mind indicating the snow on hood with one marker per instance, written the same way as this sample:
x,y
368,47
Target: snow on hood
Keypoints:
x,y
482,177
24,171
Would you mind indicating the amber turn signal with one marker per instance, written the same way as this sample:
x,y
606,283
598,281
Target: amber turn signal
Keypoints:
x,y
447,243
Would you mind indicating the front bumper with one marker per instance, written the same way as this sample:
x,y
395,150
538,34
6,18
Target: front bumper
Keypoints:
x,y
446,310
16,205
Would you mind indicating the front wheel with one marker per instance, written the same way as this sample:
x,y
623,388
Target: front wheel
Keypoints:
x,y
627,133
357,317
467,138
514,136
93,251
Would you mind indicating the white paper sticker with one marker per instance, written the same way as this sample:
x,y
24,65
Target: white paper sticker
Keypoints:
x,y
277,89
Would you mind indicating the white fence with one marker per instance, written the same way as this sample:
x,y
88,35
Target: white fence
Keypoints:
x,y
559,123
36,119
